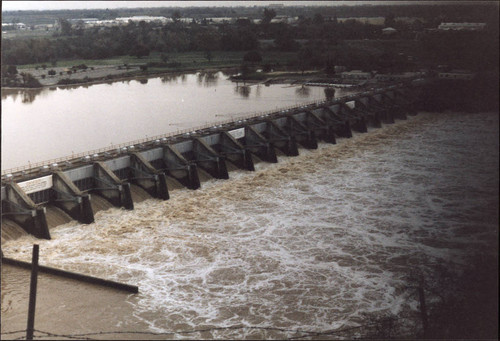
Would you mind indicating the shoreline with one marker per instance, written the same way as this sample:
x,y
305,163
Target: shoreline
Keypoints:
x,y
290,77
103,79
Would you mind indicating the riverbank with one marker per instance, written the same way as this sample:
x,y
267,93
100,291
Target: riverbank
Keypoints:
x,y
101,74
119,68
108,74
86,71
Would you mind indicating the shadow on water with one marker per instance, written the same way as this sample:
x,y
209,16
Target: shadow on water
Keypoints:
x,y
172,78
303,92
329,93
243,90
208,79
27,96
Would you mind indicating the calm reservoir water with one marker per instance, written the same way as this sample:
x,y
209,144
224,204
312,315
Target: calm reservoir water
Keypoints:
x,y
312,243
47,124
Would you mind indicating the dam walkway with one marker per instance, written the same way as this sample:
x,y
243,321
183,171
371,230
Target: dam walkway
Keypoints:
x,y
157,163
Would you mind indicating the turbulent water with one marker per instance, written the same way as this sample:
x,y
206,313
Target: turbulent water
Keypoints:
x,y
312,243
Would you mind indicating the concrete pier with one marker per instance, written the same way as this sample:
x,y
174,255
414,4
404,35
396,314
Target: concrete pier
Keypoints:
x,y
150,164
70,199
18,206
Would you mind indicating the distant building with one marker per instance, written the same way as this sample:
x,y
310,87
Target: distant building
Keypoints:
x,y
220,20
284,19
16,26
142,18
389,30
84,20
356,74
457,74
462,26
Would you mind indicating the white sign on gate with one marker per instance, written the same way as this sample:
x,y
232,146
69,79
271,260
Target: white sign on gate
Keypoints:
x,y
237,133
36,185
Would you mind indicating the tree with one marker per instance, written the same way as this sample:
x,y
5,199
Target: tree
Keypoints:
x,y
65,27
208,55
242,38
9,73
139,50
318,19
29,81
243,22
207,40
304,57
176,16
267,16
164,58
389,20
252,57
11,70
285,41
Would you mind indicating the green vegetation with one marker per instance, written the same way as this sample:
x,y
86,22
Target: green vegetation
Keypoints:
x,y
319,39
478,94
435,12
11,77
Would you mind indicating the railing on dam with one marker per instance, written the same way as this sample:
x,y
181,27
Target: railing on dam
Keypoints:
x,y
237,116
233,118
178,157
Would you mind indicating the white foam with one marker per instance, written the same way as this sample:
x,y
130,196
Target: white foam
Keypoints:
x,y
313,241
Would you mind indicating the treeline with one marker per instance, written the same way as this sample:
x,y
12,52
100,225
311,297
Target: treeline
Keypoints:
x,y
462,49
320,41
433,14
142,38
479,94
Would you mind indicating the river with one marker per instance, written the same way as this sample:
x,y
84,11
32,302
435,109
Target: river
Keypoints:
x,y
49,123
312,243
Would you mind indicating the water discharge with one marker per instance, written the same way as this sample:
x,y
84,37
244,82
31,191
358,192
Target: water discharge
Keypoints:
x,y
11,230
311,242
56,216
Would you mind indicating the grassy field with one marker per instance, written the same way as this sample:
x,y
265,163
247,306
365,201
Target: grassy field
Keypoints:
x,y
27,34
380,46
99,70
186,59
157,63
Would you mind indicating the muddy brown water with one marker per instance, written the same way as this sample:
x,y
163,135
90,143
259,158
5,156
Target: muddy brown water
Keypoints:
x,y
126,111
312,242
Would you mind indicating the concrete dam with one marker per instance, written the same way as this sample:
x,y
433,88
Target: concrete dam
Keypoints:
x,y
154,164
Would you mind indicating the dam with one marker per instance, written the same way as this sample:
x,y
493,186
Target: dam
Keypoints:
x,y
156,163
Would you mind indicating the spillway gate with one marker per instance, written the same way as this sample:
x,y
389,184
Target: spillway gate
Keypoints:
x,y
70,185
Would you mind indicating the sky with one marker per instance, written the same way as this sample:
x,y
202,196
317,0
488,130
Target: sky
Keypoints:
x,y
58,5
53,5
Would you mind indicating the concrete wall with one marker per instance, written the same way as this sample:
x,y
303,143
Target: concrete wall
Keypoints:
x,y
180,157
